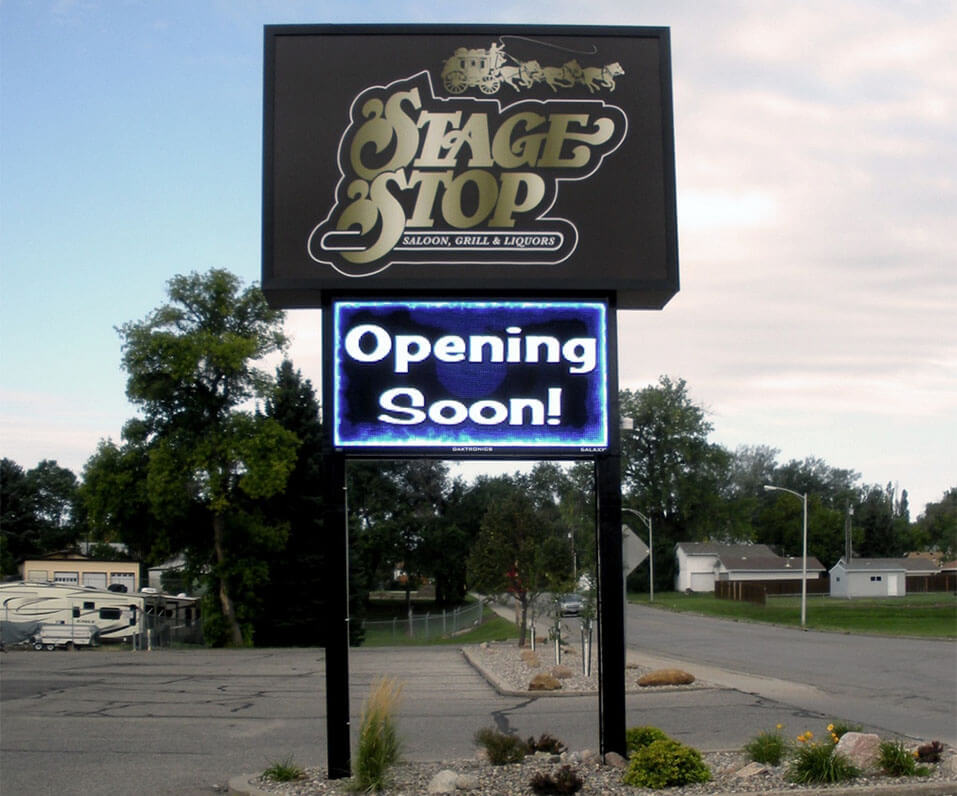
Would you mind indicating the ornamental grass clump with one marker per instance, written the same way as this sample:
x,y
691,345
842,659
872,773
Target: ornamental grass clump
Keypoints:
x,y
284,770
896,761
817,763
379,746
664,764
766,747
501,747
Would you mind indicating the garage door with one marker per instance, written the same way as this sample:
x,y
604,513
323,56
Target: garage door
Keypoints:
x,y
128,579
702,581
97,579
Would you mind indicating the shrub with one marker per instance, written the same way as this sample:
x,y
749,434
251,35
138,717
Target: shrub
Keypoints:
x,y
501,747
378,748
284,770
665,763
545,743
930,752
637,737
767,747
895,760
816,763
565,780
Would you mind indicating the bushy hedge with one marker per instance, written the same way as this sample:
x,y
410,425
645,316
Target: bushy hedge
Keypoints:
x,y
665,763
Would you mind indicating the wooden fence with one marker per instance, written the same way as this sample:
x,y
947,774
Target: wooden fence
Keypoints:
x,y
942,581
757,591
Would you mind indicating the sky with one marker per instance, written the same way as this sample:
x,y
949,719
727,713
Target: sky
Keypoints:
x,y
816,191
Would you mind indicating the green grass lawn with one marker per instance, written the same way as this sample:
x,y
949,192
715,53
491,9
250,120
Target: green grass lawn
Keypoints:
x,y
492,628
932,615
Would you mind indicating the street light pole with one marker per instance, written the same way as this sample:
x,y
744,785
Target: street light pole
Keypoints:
x,y
803,499
651,552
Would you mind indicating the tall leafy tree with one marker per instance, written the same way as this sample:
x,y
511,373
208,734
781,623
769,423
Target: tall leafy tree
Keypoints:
x,y
671,472
292,609
191,366
522,547
39,511
936,528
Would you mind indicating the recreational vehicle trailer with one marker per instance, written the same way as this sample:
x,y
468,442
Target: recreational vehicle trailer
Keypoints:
x,y
56,614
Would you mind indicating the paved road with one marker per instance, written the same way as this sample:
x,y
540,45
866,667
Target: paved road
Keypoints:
x,y
184,722
906,686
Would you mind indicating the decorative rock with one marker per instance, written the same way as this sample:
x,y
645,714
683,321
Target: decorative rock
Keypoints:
x,y
666,677
861,748
589,757
615,760
750,770
950,765
443,782
561,672
544,682
467,782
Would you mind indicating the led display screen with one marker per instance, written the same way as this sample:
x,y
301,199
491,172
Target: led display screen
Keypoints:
x,y
470,378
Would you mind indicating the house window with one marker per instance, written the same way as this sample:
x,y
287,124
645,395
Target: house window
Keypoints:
x,y
66,577
876,578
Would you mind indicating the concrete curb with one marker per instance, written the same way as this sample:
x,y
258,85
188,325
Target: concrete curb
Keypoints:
x,y
242,786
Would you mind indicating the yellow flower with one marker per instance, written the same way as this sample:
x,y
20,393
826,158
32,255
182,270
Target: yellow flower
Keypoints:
x,y
810,735
830,728
779,726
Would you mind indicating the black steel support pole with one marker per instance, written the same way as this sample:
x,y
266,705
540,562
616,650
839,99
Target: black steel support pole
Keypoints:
x,y
337,604
611,607
611,592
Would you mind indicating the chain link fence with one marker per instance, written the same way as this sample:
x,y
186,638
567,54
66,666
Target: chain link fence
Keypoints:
x,y
428,626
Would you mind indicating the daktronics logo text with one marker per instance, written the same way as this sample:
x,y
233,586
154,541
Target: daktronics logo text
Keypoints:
x,y
459,180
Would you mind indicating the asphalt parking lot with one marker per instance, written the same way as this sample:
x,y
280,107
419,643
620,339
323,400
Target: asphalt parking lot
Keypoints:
x,y
183,722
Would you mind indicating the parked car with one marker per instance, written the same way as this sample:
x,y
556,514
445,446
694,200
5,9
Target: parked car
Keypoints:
x,y
570,604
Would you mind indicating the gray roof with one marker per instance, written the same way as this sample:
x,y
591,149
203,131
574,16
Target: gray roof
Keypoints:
x,y
770,563
911,565
719,549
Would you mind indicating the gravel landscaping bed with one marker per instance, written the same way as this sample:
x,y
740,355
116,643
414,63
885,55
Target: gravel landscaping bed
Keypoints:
x,y
479,777
502,664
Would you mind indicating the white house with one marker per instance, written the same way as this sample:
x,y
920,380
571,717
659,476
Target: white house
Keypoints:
x,y
873,577
696,562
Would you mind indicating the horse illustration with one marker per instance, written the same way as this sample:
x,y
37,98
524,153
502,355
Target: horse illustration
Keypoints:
x,y
526,74
564,76
594,77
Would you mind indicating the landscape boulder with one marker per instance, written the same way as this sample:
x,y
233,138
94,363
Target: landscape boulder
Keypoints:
x,y
863,749
561,672
443,782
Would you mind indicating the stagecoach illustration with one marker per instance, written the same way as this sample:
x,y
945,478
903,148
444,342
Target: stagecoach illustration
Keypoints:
x,y
489,69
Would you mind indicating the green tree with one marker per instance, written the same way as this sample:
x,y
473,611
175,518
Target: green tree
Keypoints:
x,y
937,526
19,534
191,366
293,606
116,501
38,511
522,547
671,472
